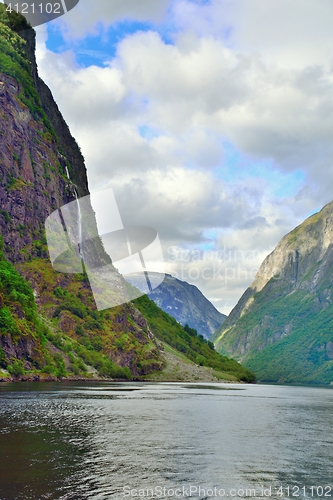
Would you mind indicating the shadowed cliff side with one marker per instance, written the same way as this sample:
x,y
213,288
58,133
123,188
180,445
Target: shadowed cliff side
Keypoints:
x,y
70,151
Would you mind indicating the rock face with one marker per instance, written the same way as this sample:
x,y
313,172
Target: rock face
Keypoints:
x,y
37,151
70,151
282,327
185,303
33,180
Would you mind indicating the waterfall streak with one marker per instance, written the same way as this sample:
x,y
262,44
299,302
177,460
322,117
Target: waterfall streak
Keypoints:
x,y
78,212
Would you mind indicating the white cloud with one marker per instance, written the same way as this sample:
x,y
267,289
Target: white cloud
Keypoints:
x,y
259,77
88,16
214,235
264,109
84,92
292,34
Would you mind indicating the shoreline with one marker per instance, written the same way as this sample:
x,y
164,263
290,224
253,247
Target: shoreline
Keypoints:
x,y
47,379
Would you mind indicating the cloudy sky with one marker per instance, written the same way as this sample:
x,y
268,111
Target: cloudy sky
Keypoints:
x,y
212,120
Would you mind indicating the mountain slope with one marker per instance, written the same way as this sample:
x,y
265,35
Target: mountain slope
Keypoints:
x,y
184,302
282,327
187,342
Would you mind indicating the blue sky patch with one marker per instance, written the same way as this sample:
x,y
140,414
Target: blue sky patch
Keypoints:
x,y
211,236
148,132
201,2
237,166
96,50
290,183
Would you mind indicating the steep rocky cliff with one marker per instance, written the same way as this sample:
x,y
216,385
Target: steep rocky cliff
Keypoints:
x,y
185,303
37,152
282,327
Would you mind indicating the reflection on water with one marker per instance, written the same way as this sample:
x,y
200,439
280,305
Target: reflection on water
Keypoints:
x,y
89,441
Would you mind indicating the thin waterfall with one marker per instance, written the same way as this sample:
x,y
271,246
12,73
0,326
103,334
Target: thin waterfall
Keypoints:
x,y
79,222
78,212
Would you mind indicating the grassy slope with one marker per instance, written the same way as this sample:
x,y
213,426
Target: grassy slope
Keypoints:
x,y
19,319
300,355
67,301
50,351
74,339
98,336
185,340
180,368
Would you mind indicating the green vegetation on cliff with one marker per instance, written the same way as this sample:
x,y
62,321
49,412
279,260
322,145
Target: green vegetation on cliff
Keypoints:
x,y
284,331
19,320
51,352
69,337
119,335
296,344
14,62
187,341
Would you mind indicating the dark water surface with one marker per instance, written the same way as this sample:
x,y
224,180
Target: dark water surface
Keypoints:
x,y
99,441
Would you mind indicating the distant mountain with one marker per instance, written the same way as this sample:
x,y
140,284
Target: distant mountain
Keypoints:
x,y
282,327
184,302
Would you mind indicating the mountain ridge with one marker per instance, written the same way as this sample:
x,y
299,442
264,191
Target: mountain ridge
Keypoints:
x,y
185,302
282,325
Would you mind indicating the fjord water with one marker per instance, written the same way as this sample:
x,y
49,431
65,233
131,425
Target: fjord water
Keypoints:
x,y
91,441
